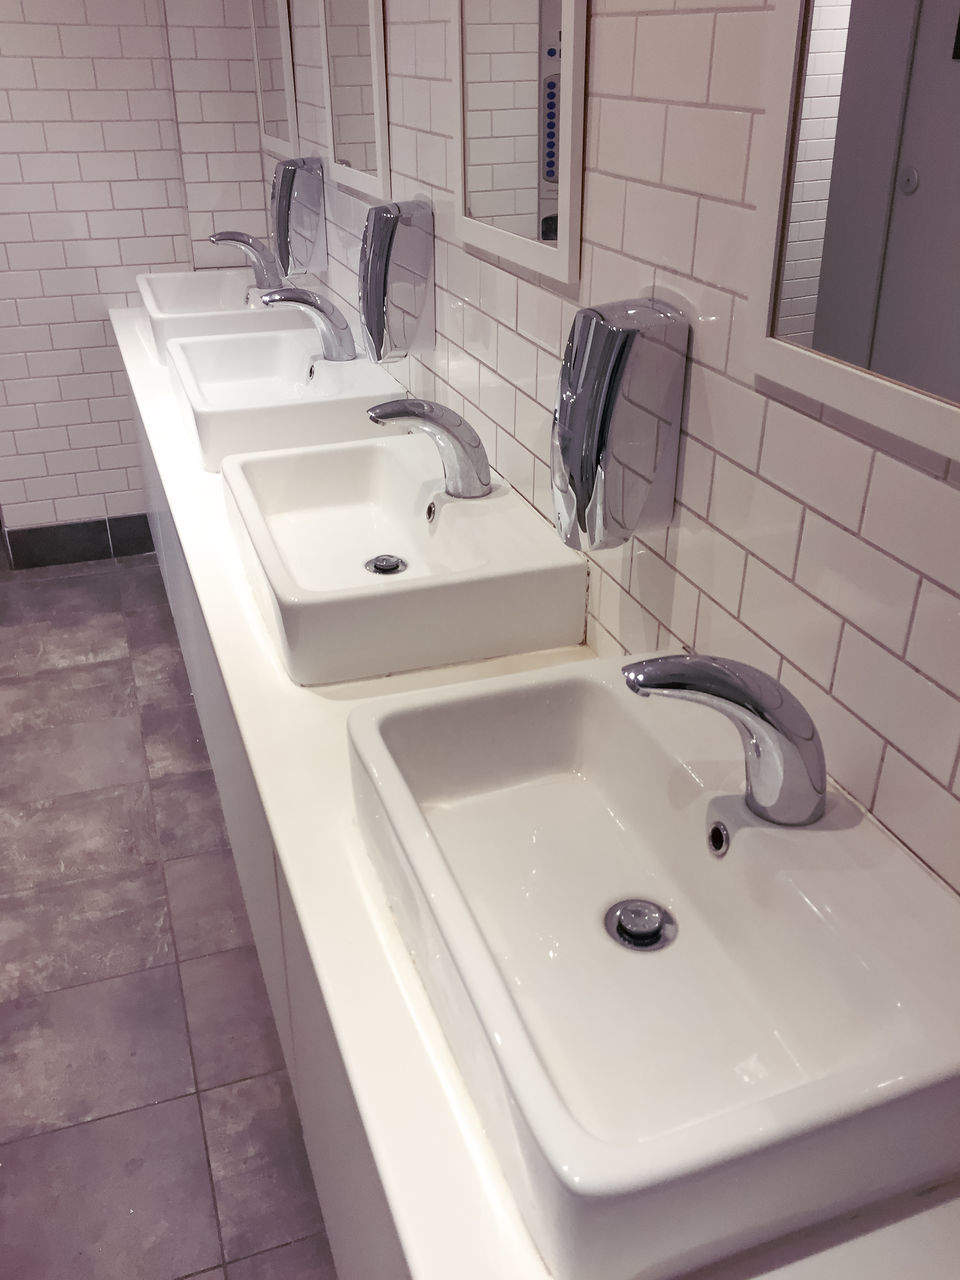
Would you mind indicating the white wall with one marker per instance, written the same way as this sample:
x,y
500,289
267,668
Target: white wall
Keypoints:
x,y
120,150
798,545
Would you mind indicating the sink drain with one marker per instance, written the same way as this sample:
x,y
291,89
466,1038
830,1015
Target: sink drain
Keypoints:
x,y
385,564
640,924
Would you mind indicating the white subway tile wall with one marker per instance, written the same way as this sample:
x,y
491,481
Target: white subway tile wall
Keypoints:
x,y
211,58
351,85
501,74
95,113
797,546
820,107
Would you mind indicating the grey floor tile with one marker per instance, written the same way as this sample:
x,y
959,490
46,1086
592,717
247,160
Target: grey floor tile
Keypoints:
x,y
62,934
158,666
173,740
228,1012
41,646
264,1191
70,758
305,1260
206,904
78,569
121,1198
91,1051
58,600
141,584
188,814
71,837
67,695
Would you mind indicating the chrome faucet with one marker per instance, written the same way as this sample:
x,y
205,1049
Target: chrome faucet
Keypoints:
x,y
266,269
336,340
786,775
465,467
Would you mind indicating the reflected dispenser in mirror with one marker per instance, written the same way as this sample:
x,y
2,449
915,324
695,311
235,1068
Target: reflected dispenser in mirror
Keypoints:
x,y
396,280
616,426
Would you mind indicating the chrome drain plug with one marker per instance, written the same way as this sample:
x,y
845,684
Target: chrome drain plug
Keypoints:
x,y
385,564
640,924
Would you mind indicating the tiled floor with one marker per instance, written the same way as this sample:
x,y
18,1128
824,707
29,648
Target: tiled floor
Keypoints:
x,y
147,1130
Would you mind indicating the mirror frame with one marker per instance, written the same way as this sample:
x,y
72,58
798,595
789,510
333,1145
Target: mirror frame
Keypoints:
x,y
376,184
560,262
905,412
278,146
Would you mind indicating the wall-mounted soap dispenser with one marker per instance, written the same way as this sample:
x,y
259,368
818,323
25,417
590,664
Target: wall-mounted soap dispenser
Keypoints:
x,y
396,280
616,427
298,216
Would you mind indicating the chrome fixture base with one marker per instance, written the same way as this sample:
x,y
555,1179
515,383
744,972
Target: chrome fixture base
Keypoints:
x,y
266,269
465,467
786,773
336,340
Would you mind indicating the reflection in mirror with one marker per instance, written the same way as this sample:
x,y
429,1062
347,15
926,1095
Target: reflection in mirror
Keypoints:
x,y
511,88
870,258
351,84
270,68
518,141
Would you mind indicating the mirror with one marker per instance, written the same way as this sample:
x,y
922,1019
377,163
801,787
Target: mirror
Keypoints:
x,y
858,223
276,100
355,90
872,255
520,81
872,252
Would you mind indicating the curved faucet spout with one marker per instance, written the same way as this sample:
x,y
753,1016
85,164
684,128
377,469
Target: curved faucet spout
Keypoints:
x,y
466,471
266,269
336,340
786,774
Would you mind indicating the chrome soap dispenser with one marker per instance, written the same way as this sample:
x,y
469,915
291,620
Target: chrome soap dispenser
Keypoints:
x,y
616,426
396,280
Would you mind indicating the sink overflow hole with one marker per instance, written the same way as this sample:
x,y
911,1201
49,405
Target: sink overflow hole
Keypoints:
x,y
640,924
718,839
431,512
385,564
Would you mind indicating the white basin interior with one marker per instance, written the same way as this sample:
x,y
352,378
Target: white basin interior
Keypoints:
x,y
793,1053
183,304
251,391
484,577
196,292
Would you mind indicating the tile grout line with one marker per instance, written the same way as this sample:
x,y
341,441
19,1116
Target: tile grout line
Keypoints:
x,y
196,1084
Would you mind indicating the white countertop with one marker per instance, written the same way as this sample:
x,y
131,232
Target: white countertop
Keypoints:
x,y
451,1206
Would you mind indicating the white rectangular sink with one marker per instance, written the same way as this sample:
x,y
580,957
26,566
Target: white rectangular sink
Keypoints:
x,y
253,391
184,304
791,1055
484,576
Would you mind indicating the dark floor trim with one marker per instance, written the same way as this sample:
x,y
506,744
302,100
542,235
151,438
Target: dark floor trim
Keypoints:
x,y
79,541
129,535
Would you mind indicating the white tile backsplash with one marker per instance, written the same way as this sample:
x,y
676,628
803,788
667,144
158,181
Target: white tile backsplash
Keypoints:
x,y
787,617
902,705
820,466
